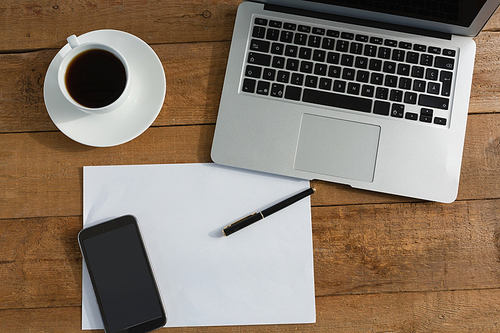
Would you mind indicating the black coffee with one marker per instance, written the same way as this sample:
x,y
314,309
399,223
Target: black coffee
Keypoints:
x,y
95,78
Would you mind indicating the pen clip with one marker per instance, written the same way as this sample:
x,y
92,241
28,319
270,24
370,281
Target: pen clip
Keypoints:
x,y
230,225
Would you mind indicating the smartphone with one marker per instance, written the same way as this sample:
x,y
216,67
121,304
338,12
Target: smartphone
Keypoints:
x,y
121,276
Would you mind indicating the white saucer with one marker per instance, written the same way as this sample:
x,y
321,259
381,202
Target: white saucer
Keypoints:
x,y
129,120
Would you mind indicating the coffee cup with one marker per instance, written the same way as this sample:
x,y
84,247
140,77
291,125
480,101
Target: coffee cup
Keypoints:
x,y
94,77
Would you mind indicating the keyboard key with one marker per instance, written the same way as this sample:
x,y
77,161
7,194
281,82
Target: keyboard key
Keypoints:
x,y
376,40
260,21
419,85
426,112
318,31
431,74
342,46
275,24
347,35
426,60
293,93
433,88
391,81
319,55
305,53
382,108
304,28
277,48
306,67
314,41
300,39
404,69
325,84
353,88
289,26
361,62
375,65
362,38
291,51
286,36
334,71
370,50
411,116
397,110
382,93
445,63
272,34
333,33
419,47
389,67
449,53
384,52
347,60
277,90
356,48
259,45
292,64
362,76
377,78
425,119
391,42
311,81
433,102
405,83
445,78
328,43
367,90
333,58
439,121
253,71
339,85
434,50
412,57
248,85
398,55
405,45
410,97
355,103
320,69
259,59
297,79
263,88
269,74
283,76
396,95
417,71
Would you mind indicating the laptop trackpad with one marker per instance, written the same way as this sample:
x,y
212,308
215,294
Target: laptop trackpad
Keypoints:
x,y
339,148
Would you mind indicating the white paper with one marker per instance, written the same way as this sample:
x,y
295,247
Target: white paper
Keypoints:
x,y
262,274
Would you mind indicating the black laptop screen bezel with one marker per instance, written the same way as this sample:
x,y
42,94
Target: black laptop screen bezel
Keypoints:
x,y
320,6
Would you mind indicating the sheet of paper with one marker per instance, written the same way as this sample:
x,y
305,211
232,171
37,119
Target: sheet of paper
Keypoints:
x,y
260,275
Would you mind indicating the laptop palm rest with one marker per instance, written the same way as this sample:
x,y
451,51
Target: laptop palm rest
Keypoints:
x,y
338,148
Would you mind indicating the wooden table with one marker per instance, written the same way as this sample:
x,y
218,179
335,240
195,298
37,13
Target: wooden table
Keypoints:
x,y
382,263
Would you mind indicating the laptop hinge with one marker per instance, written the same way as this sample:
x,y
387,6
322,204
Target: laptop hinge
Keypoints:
x,y
357,21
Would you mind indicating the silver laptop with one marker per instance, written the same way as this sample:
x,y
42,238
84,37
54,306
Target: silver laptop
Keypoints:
x,y
373,94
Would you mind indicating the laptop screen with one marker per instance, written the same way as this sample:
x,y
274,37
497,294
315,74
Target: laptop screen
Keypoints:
x,y
459,17
456,12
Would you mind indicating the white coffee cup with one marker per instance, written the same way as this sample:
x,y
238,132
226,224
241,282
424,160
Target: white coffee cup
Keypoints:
x,y
77,49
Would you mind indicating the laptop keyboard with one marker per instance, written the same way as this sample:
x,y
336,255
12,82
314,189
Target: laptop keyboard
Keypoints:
x,y
350,71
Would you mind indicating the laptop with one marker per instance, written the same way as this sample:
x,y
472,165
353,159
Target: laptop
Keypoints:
x,y
372,94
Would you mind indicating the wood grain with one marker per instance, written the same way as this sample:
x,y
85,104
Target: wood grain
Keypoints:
x,y
370,249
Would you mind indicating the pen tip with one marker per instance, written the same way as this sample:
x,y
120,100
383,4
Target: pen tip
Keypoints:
x,y
314,190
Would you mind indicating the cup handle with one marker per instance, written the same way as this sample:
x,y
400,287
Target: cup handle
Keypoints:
x,y
73,41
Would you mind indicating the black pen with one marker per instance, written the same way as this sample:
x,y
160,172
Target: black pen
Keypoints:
x,y
252,218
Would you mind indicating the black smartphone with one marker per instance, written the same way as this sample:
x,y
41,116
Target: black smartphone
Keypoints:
x,y
121,276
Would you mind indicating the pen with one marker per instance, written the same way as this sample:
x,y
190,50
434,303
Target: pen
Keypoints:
x,y
252,218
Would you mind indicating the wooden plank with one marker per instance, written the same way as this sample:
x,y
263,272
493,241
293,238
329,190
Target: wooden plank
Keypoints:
x,y
195,74
35,185
449,311
26,25
384,248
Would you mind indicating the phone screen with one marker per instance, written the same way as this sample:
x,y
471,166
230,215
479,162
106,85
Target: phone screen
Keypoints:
x,y
121,275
